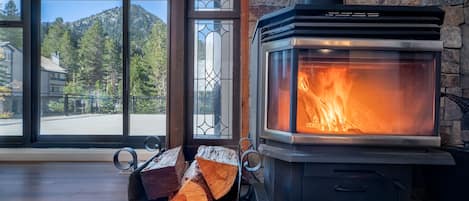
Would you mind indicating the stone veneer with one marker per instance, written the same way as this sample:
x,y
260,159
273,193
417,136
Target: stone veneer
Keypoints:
x,y
455,57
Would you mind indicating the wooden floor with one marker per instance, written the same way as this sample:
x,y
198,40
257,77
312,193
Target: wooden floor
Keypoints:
x,y
62,182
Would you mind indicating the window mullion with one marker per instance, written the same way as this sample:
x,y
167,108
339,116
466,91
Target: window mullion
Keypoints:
x,y
126,67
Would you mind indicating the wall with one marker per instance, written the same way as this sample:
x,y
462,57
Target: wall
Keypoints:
x,y
455,57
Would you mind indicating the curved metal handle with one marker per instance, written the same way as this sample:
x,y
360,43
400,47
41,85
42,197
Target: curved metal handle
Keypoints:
x,y
131,165
246,164
152,143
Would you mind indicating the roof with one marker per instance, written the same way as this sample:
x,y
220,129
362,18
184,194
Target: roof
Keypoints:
x,y
48,65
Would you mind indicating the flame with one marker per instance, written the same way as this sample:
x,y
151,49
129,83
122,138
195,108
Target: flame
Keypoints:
x,y
360,99
324,105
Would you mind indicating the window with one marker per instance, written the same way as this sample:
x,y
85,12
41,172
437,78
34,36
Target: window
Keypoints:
x,y
215,61
213,5
148,67
11,68
84,40
83,48
105,73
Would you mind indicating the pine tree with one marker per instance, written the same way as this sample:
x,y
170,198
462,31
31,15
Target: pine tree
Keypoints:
x,y
12,35
90,55
112,66
67,53
10,11
155,55
52,42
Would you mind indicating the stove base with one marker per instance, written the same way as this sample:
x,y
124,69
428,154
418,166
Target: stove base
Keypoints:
x,y
284,181
333,173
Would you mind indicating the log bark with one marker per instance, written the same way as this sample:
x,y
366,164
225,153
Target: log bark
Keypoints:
x,y
194,187
162,176
219,167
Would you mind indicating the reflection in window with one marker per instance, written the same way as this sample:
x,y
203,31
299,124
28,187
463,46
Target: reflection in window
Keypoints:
x,y
148,67
11,82
213,5
213,79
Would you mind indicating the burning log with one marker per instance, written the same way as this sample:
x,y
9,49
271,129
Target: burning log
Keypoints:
x,y
162,176
219,167
194,187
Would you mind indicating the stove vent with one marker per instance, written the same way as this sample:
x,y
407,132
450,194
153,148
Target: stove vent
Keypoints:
x,y
339,21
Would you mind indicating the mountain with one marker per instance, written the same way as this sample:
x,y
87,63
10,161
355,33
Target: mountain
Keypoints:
x,y
141,22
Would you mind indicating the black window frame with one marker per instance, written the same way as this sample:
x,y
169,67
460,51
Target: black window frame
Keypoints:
x,y
23,23
31,24
181,15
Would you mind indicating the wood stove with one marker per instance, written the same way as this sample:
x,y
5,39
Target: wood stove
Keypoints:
x,y
345,100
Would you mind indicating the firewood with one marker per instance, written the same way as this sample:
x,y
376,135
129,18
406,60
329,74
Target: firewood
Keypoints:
x,y
194,187
162,176
219,167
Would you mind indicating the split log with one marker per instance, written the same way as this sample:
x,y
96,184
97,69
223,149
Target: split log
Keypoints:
x,y
219,167
162,176
194,187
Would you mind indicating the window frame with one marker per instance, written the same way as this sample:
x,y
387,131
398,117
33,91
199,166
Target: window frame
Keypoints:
x,y
179,105
102,141
23,23
235,16
31,24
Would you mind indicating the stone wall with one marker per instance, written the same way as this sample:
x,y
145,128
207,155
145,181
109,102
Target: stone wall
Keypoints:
x,y
455,57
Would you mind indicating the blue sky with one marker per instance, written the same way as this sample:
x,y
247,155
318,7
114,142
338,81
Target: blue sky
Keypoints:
x,y
71,10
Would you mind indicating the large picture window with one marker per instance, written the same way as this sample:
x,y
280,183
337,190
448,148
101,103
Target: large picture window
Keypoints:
x,y
11,68
82,41
108,73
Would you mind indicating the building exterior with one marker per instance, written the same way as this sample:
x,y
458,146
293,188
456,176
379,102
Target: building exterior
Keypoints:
x,y
53,79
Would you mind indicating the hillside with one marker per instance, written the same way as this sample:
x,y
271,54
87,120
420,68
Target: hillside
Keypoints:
x,y
141,22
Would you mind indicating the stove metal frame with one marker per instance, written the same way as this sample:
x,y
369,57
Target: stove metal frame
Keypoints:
x,y
294,43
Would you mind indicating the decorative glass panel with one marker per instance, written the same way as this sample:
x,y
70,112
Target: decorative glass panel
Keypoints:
x,y
213,79
11,82
10,10
148,67
81,42
213,5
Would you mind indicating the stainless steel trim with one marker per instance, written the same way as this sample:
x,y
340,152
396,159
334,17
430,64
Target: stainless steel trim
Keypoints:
x,y
346,44
333,139
376,44
325,24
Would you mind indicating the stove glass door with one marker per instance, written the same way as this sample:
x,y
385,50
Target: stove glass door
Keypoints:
x,y
365,92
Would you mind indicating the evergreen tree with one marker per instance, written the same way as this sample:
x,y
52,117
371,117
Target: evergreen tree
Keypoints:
x,y
12,35
112,66
52,40
90,55
11,11
67,53
155,55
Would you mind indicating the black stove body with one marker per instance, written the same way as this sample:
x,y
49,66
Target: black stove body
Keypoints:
x,y
309,156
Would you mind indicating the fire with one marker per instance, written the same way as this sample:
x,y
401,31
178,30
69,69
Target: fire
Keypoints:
x,y
324,104
359,98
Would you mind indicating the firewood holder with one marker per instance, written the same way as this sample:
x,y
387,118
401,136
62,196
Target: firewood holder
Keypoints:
x,y
242,191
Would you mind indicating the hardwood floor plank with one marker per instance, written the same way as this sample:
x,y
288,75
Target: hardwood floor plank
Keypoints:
x,y
63,181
